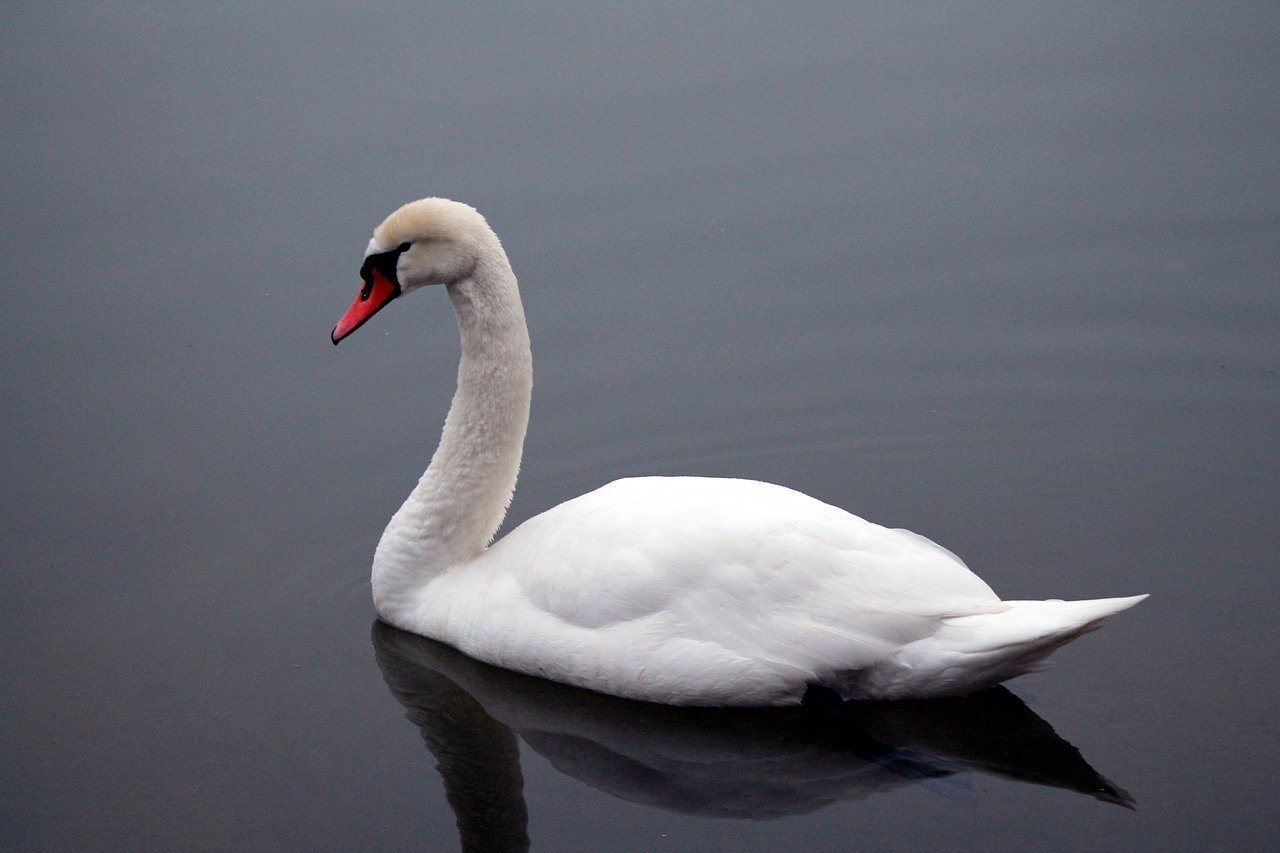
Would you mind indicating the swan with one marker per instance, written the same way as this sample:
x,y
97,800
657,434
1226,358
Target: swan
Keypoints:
x,y
675,590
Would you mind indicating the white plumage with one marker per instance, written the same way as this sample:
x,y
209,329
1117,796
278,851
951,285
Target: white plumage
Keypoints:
x,y
681,590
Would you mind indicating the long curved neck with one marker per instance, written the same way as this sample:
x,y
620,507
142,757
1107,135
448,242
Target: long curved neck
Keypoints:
x,y
458,505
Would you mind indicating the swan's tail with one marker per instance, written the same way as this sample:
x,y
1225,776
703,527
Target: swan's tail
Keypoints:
x,y
970,652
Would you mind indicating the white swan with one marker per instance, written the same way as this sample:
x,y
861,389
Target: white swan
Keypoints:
x,y
679,590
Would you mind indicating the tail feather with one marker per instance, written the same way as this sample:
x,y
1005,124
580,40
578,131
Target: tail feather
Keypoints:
x,y
971,652
1029,623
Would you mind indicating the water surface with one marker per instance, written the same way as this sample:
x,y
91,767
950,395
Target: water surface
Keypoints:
x,y
1006,275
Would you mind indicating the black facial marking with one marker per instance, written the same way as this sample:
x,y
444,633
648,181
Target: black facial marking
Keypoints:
x,y
383,262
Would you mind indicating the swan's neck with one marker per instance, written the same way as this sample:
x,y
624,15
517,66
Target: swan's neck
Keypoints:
x,y
458,505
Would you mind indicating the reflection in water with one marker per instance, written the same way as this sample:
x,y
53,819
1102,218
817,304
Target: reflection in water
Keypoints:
x,y
718,762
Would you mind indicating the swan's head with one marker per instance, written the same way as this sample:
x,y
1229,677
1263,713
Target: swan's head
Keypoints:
x,y
429,241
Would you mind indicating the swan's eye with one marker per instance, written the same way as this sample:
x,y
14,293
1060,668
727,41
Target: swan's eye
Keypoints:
x,y
383,262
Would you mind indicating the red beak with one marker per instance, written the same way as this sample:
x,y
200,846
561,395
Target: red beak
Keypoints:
x,y
373,298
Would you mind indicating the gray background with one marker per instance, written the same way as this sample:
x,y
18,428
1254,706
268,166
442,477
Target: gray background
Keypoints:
x,y
1004,274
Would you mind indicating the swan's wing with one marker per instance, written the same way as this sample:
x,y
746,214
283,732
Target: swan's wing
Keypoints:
x,y
641,545
691,579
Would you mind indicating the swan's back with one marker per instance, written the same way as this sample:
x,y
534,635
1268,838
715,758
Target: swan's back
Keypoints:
x,y
736,538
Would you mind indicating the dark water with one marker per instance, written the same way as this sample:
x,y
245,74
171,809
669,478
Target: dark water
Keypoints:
x,y
1005,275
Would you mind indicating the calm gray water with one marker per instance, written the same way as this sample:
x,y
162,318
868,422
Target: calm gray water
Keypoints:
x,y
1006,275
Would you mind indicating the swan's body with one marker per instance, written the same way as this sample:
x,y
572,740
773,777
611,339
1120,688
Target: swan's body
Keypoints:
x,y
681,590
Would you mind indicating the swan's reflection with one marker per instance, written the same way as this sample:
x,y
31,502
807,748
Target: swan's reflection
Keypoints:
x,y
710,761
